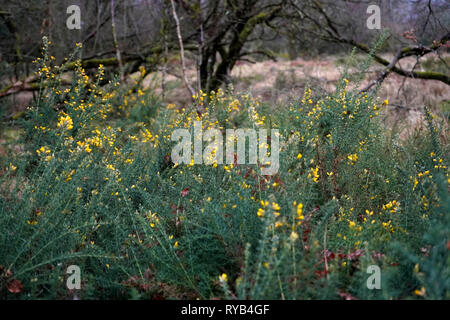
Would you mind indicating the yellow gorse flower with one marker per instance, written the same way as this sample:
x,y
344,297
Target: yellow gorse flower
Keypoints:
x,y
353,157
65,121
314,174
300,212
223,277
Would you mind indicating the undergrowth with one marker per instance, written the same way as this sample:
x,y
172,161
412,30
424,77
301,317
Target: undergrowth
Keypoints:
x,y
95,186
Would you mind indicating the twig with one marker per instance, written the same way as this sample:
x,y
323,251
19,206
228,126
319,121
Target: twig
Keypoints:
x,y
384,73
116,45
180,39
325,251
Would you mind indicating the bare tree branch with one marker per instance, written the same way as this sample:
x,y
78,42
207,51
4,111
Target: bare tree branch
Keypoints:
x,y
180,39
116,45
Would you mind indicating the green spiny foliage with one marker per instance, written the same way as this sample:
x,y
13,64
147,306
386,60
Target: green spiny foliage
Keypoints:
x,y
95,186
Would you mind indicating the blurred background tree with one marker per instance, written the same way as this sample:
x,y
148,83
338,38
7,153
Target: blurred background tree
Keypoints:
x,y
216,34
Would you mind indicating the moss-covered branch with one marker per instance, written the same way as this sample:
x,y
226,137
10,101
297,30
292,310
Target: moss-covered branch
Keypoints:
x,y
32,83
407,52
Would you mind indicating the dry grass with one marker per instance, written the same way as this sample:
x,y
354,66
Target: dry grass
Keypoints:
x,y
284,81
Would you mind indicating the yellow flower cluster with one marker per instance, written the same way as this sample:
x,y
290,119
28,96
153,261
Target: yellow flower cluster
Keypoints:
x,y
353,158
261,210
314,174
299,212
65,121
45,152
152,217
392,206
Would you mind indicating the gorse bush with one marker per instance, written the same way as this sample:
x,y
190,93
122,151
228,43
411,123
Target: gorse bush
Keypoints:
x,y
95,187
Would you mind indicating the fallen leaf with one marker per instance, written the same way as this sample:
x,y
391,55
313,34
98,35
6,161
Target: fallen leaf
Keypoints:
x,y
346,296
184,192
15,286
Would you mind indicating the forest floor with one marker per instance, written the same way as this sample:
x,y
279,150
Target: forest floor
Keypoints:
x,y
281,81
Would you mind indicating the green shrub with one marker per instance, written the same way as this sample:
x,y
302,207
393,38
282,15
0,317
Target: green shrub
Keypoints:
x,y
95,187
